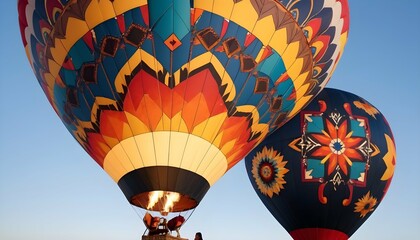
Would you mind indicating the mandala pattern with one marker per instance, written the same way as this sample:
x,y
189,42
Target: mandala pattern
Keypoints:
x,y
336,149
268,170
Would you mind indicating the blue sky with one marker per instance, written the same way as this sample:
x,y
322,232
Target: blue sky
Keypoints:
x,y
51,189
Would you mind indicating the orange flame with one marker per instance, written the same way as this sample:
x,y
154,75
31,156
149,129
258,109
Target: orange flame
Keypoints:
x,y
154,198
165,199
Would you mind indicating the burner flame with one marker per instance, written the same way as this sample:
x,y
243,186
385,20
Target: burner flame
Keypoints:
x,y
163,200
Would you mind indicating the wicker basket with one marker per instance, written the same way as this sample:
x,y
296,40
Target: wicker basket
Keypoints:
x,y
162,237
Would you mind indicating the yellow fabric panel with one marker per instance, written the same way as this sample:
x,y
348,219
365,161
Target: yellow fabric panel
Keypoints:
x,y
164,123
97,12
210,128
247,20
300,103
137,126
389,158
105,101
165,148
58,53
228,146
343,41
78,29
264,29
295,70
127,131
279,40
223,7
53,68
302,90
121,6
290,54
204,4
218,139
198,61
178,124
107,9
299,81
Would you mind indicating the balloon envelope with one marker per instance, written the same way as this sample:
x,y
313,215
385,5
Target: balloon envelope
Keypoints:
x,y
168,95
324,172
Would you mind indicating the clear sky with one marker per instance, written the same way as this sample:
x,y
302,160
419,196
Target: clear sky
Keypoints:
x,y
50,189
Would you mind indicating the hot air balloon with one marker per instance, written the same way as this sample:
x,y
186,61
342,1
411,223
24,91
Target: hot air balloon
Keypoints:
x,y
166,96
323,173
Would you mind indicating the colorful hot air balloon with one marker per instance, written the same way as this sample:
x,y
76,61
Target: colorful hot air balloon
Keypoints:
x,y
168,95
324,172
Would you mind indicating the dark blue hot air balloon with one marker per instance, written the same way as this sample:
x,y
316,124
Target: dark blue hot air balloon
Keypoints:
x,y
324,172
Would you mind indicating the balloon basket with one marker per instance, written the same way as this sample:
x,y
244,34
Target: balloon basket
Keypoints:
x,y
162,237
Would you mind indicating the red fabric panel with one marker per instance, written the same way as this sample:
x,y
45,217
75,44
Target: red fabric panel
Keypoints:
x,y
318,234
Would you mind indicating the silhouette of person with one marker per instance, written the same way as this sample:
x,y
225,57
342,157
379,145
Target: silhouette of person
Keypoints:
x,y
198,236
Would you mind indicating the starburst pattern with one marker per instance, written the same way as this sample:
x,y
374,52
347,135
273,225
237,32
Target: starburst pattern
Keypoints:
x,y
365,205
338,146
268,170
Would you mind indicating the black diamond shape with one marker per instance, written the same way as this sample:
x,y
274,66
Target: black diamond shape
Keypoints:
x,y
276,104
261,85
135,35
247,63
110,46
88,72
208,37
231,46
